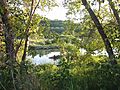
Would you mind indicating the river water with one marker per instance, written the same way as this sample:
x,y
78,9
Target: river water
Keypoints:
x,y
42,56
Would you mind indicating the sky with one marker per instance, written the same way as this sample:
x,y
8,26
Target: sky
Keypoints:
x,y
58,12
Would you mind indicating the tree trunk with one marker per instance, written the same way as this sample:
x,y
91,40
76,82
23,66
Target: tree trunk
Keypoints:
x,y
27,32
9,39
1,36
32,12
101,32
8,33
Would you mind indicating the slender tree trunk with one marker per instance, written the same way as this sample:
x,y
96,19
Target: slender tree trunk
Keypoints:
x,y
1,35
8,33
101,32
27,31
32,11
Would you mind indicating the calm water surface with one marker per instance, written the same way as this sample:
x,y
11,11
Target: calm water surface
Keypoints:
x,y
42,56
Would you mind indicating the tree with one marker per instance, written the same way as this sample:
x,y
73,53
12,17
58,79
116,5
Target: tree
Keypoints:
x,y
101,32
8,32
32,11
9,38
75,5
34,5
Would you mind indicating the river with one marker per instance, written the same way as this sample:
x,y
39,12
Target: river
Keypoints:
x,y
43,56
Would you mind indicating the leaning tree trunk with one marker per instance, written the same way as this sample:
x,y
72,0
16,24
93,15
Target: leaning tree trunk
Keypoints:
x,y
101,32
8,33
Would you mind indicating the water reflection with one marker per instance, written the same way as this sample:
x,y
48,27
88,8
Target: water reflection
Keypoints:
x,y
43,56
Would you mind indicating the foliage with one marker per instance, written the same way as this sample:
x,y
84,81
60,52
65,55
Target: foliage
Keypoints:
x,y
75,75
75,70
